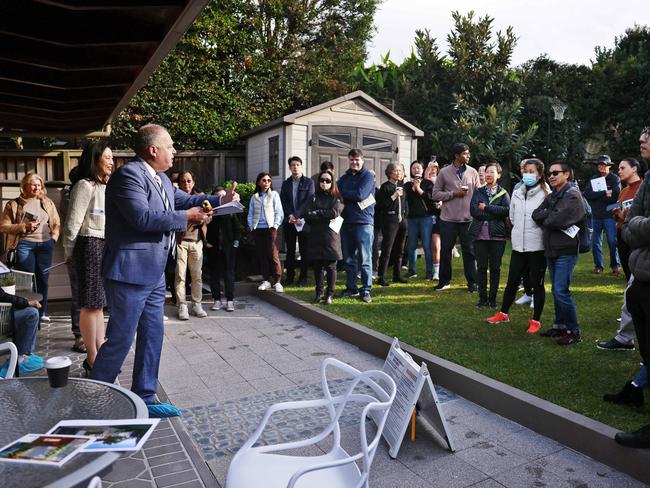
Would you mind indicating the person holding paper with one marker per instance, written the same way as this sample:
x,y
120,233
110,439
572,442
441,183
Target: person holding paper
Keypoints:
x,y
603,190
324,241
295,194
558,216
83,242
265,216
629,170
32,227
143,213
357,188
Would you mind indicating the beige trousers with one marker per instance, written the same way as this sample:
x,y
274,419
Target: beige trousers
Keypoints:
x,y
189,255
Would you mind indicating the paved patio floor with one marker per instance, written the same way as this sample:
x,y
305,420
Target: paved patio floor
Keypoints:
x,y
226,369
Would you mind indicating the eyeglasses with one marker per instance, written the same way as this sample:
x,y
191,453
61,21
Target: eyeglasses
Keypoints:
x,y
555,173
325,180
265,180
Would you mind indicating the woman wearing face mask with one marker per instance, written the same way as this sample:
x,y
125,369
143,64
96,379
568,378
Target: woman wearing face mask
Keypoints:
x,y
527,244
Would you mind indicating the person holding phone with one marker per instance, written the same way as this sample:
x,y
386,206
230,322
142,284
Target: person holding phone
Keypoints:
x,y
32,227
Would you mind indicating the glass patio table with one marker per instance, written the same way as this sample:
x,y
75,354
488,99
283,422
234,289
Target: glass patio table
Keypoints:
x,y
31,406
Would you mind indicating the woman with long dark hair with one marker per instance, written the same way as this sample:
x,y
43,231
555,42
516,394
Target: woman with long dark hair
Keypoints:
x,y
84,241
265,216
323,242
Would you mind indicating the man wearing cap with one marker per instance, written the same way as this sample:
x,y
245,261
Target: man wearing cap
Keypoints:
x,y
602,218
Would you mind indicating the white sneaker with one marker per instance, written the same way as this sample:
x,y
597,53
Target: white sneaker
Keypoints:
x,y
436,276
230,306
165,318
524,299
46,319
183,314
216,305
197,309
278,287
264,286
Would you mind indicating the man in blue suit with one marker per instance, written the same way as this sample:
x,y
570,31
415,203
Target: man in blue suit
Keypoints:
x,y
143,213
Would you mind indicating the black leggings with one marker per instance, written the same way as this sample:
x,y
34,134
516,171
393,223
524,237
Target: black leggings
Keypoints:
x,y
532,264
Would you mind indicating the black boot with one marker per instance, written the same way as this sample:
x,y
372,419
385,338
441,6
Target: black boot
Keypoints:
x,y
382,282
397,278
639,438
630,394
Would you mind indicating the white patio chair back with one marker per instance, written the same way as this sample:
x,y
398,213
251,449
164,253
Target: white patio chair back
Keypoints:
x,y
96,482
253,467
24,280
13,358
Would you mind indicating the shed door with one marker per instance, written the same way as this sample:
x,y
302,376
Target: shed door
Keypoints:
x,y
332,143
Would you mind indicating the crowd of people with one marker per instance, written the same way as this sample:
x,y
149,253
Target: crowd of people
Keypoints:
x,y
125,230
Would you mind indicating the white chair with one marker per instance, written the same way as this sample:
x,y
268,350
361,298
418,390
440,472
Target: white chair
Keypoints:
x,y
96,482
253,467
13,358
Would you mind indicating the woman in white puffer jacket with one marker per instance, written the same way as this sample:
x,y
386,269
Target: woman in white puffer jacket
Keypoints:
x,y
527,256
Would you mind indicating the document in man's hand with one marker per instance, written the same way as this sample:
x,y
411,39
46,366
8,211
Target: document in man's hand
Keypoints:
x,y
599,184
367,201
228,208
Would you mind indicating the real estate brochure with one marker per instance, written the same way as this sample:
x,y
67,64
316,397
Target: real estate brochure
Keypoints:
x,y
52,450
109,435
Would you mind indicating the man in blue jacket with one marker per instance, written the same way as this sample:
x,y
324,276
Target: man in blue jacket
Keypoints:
x,y
357,187
295,194
143,213
602,218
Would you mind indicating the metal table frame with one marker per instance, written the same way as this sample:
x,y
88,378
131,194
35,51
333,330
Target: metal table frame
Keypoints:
x,y
104,460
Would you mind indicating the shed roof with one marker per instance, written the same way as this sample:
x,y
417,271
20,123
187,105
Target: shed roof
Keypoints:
x,y
291,118
68,67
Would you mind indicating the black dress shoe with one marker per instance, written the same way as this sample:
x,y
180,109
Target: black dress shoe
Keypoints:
x,y
399,279
382,282
629,395
87,368
638,439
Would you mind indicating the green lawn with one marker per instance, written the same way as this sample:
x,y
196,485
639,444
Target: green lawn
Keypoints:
x,y
449,325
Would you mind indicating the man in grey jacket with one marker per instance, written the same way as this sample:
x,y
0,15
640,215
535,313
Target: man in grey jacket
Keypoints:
x,y
636,233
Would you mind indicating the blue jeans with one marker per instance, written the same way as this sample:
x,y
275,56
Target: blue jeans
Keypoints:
x,y
420,228
35,257
25,329
641,378
357,238
561,272
609,226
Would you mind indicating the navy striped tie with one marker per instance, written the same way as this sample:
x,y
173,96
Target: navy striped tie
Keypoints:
x,y
172,239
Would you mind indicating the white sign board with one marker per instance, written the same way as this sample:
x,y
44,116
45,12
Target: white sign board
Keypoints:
x,y
414,386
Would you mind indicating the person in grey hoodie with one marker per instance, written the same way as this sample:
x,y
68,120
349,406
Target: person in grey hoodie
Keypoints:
x,y
455,186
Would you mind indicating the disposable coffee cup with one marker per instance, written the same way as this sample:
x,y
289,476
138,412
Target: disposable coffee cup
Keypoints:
x,y
58,369
464,187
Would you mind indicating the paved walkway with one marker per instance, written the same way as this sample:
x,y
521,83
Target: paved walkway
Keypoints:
x,y
224,371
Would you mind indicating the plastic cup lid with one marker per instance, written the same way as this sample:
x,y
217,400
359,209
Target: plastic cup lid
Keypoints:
x,y
58,362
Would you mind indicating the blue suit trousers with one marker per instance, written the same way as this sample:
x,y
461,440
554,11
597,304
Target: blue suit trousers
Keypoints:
x,y
134,309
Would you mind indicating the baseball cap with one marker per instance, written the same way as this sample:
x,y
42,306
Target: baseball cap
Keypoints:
x,y
604,159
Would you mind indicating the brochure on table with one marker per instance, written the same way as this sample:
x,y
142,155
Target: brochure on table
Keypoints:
x,y
109,435
49,450
414,387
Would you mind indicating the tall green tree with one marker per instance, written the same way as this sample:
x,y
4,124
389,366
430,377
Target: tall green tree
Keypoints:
x,y
243,63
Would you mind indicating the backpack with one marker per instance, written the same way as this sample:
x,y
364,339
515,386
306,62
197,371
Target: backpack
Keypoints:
x,y
585,235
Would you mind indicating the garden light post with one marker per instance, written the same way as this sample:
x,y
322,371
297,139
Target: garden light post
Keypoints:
x,y
558,108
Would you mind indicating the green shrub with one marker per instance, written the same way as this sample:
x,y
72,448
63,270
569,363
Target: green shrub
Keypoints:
x,y
7,279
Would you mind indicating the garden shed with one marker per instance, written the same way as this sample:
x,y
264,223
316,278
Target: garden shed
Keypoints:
x,y
326,132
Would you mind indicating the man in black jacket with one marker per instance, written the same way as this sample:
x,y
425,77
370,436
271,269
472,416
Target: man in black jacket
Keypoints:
x,y
636,233
603,219
295,194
